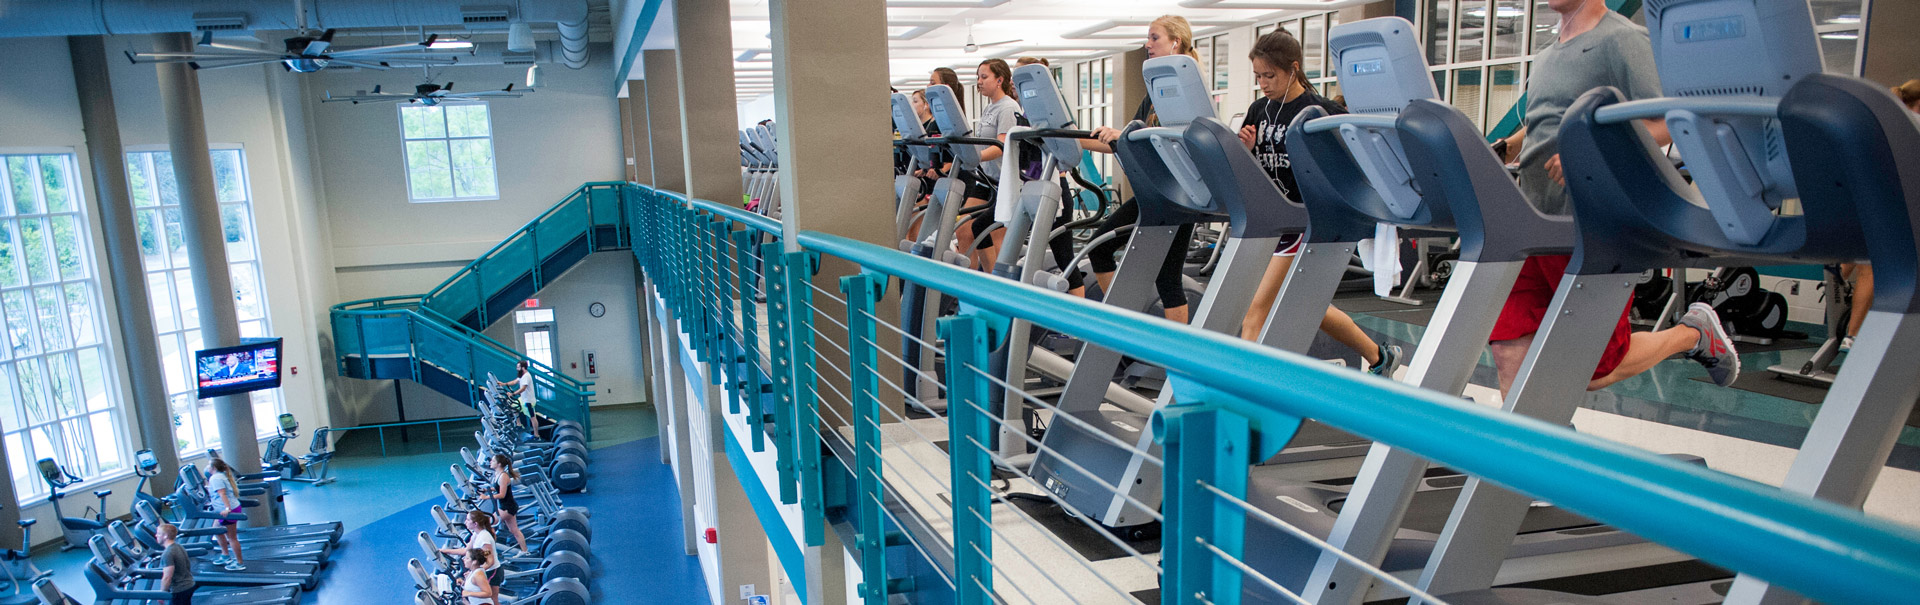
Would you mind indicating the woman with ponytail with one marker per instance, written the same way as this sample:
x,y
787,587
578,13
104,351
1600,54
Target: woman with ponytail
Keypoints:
x,y
1167,36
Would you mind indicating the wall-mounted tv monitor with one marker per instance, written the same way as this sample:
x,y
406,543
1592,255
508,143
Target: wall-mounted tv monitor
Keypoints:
x,y
252,366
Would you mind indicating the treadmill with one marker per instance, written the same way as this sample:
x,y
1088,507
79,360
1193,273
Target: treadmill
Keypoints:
x,y
1623,230
191,495
1085,458
257,573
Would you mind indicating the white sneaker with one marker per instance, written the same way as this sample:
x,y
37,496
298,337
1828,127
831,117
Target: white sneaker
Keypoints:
x,y
235,566
1846,344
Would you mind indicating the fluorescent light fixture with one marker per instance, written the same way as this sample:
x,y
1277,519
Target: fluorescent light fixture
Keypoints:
x,y
450,44
1849,35
1845,20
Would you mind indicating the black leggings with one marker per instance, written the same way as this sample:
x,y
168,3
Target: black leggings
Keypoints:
x,y
1167,282
1062,245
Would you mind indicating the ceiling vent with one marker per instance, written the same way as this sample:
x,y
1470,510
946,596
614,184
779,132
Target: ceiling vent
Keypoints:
x,y
219,22
485,17
514,58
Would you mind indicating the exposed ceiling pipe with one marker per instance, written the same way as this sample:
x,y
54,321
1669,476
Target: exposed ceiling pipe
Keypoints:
x,y
1277,6
115,17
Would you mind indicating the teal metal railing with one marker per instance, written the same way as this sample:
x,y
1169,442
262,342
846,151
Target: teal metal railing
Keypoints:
x,y
439,439
588,220
1236,404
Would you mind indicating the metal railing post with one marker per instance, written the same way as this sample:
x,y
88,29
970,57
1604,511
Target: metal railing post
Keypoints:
x,y
750,341
970,432
869,524
1202,446
787,386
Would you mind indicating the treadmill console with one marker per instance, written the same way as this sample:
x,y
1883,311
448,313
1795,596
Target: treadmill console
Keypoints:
x,y
1041,102
953,123
1739,50
1381,69
1179,96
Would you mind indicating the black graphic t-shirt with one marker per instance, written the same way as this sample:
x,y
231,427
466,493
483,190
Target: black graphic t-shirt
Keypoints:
x,y
1269,120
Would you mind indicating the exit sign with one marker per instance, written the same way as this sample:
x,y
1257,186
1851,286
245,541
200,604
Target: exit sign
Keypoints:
x,y
533,303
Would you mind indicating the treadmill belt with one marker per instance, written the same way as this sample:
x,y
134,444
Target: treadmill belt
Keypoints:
x,y
1366,302
1626,580
1779,344
1089,543
1765,383
1419,316
1150,595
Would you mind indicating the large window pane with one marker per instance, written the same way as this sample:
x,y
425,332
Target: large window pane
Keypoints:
x,y
472,168
148,229
53,325
238,228
246,292
1440,31
65,380
176,236
53,183
1467,93
1503,91
189,304
101,425
140,180
9,407
1469,40
26,482
80,314
228,181
186,432
26,197
1313,46
33,389
67,252
1509,28
1546,26
93,379
163,179
10,273
1837,50
421,122
427,170
20,334
173,363
1836,12
37,251
160,291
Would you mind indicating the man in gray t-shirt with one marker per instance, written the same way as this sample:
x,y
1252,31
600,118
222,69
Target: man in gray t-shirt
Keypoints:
x,y
1595,47
1614,53
176,577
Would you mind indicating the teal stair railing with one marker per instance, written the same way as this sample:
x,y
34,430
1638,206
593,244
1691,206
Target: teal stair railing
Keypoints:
x,y
435,338
1236,404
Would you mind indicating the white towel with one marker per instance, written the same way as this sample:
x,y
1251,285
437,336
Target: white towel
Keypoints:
x,y
1381,255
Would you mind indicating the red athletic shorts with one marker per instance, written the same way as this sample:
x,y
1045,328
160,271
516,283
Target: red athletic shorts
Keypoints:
x,y
1527,306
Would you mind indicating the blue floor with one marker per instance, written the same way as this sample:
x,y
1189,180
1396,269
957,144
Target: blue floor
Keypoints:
x,y
638,555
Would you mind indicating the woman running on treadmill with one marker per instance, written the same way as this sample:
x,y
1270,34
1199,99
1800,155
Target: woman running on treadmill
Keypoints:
x,y
478,589
995,82
1285,92
1596,47
220,488
503,478
1166,36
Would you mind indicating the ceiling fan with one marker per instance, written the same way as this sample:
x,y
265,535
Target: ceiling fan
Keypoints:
x,y
428,94
973,48
304,53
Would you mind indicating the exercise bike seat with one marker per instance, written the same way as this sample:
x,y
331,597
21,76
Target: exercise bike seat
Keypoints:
x,y
28,522
102,493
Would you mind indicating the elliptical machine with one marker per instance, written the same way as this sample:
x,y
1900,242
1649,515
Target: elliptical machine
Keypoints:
x,y
310,468
76,529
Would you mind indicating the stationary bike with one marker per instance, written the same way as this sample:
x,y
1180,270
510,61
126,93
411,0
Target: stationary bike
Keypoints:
x,y
19,565
311,468
76,529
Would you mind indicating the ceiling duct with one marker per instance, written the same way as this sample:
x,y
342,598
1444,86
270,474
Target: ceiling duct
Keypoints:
x,y
113,17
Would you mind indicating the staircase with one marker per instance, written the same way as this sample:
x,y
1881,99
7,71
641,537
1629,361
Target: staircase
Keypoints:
x,y
435,338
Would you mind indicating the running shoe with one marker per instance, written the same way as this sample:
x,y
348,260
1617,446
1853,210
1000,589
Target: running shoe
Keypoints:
x,y
1389,361
234,566
1714,350
1846,344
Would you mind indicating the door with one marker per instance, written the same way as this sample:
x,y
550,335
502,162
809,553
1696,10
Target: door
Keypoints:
x,y
534,331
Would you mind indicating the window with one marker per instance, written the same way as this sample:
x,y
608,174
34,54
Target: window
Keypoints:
x,y
58,398
449,149
176,315
1839,24
1093,105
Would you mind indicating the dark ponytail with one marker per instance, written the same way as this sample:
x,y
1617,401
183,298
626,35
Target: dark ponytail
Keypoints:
x,y
946,75
1280,49
1002,73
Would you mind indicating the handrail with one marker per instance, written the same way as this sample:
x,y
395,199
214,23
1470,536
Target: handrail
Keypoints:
x,y
473,266
1823,550
439,439
381,305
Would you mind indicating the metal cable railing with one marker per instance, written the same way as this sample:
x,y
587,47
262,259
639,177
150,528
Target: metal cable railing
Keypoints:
x,y
703,262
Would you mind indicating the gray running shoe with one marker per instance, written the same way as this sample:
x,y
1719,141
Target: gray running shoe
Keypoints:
x,y
1715,349
1389,361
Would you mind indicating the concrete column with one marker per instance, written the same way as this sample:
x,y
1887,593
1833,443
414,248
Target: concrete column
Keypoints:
x,y
663,119
206,244
710,116
640,132
152,415
1891,50
835,177
1129,89
626,135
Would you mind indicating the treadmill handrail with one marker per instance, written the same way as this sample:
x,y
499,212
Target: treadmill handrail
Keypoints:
x,y
1363,120
1649,109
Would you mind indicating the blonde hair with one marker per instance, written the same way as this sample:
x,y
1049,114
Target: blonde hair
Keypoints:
x,y
1909,92
1182,32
